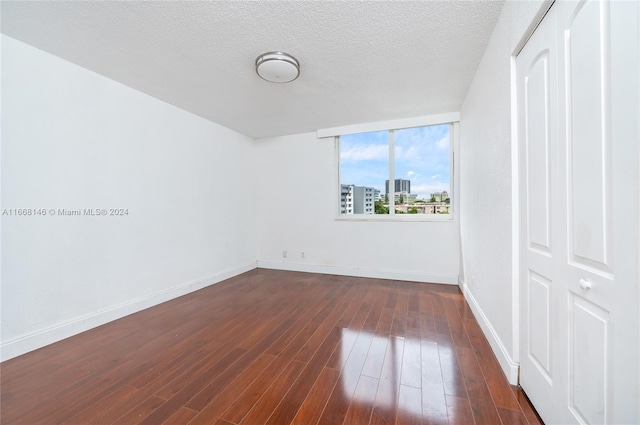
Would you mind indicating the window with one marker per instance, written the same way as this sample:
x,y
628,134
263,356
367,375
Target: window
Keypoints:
x,y
397,172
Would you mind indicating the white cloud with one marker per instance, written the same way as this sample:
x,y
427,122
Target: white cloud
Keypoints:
x,y
404,153
364,153
443,143
435,176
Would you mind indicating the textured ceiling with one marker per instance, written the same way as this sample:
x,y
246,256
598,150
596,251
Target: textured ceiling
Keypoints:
x,y
360,61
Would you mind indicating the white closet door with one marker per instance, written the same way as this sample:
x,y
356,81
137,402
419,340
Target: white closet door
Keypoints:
x,y
599,156
590,292
541,370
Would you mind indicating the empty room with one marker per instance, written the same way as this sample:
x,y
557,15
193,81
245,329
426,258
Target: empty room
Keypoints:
x,y
315,212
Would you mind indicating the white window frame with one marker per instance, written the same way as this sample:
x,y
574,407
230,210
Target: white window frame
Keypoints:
x,y
450,118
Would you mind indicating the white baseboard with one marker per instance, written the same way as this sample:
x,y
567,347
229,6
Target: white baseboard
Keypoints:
x,y
411,276
32,341
509,367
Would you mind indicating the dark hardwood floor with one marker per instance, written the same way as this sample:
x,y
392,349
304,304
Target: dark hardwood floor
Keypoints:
x,y
273,347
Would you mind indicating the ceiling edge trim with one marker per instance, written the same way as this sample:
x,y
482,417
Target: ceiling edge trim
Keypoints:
x,y
421,121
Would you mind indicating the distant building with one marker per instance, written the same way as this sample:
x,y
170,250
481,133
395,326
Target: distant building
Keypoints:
x,y
363,202
404,198
430,208
346,199
376,195
440,196
441,209
356,199
400,185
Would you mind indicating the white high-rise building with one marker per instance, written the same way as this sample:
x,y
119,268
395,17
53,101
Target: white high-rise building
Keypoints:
x,y
346,199
356,199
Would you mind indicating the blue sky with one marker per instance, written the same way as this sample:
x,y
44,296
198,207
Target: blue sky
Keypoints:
x,y
422,155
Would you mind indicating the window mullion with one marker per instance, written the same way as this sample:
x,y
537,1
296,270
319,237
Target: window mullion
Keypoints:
x,y
392,171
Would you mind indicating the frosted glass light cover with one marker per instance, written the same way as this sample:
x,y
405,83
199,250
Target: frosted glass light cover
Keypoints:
x,y
277,67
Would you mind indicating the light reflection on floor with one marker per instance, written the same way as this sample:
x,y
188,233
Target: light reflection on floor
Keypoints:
x,y
400,366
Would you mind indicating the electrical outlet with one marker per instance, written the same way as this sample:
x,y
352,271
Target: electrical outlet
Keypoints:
x,y
284,254
302,254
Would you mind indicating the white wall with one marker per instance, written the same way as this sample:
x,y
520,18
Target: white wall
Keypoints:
x,y
297,199
74,139
486,187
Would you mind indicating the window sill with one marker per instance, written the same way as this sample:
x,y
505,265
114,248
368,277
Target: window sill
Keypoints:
x,y
408,218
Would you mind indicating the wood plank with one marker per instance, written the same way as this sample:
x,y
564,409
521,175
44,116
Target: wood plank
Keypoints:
x,y
253,394
338,404
512,417
399,325
358,295
496,380
484,410
263,409
386,320
140,412
341,354
375,357
313,313
386,404
371,322
274,347
362,402
239,408
236,341
314,340
285,412
434,405
181,417
459,411
452,377
217,385
525,406
93,410
224,399
362,313
413,325
412,363
427,319
313,405
456,327
409,406
185,394
123,405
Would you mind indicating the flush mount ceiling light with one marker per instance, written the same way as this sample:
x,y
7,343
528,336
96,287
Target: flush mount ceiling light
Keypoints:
x,y
277,67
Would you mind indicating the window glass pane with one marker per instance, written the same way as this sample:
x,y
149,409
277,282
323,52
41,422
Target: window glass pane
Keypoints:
x,y
364,168
422,170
